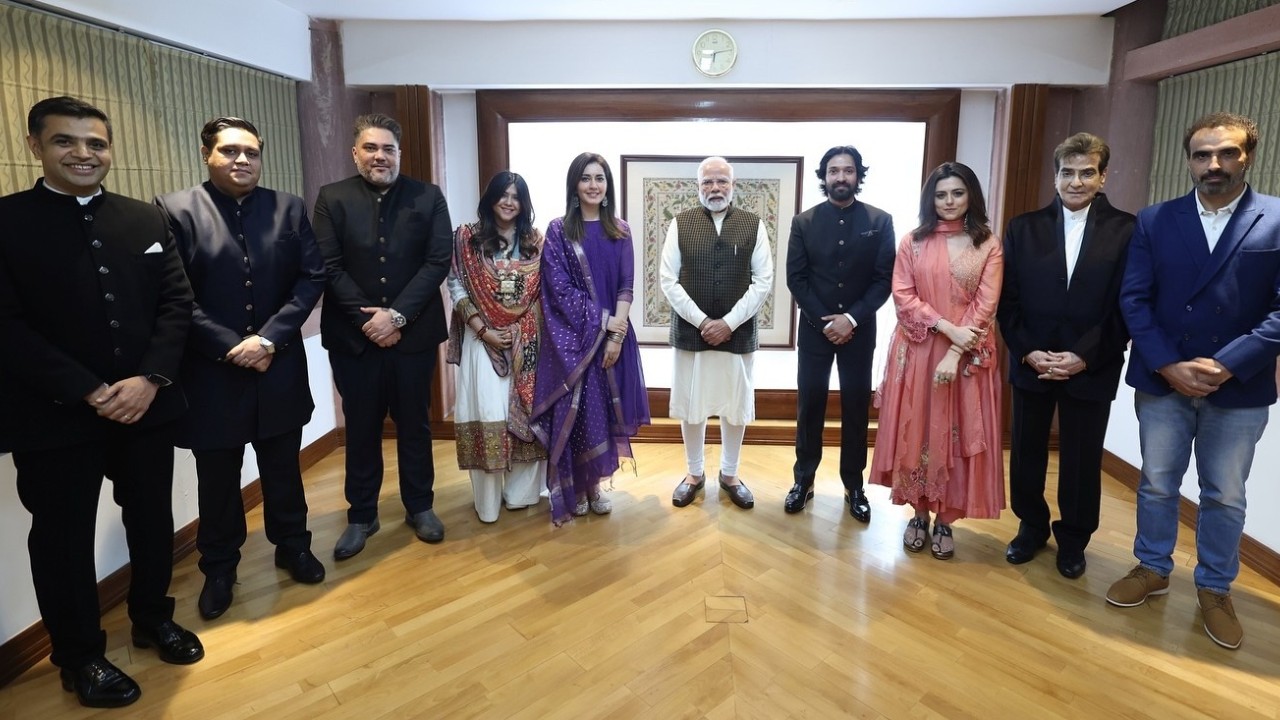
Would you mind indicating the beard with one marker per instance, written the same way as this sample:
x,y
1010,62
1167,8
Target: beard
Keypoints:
x,y
841,192
717,204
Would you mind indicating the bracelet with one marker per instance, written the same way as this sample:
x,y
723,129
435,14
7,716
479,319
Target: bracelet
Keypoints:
x,y
617,337
959,350
484,330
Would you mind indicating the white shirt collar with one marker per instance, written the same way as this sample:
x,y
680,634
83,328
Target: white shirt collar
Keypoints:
x,y
1076,215
1229,208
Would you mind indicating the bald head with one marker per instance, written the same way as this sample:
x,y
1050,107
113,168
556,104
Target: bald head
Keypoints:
x,y
715,183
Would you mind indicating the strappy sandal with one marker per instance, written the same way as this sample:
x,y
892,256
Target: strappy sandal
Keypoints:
x,y
917,531
942,532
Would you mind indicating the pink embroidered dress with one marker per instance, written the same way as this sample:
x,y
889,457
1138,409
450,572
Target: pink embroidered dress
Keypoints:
x,y
941,442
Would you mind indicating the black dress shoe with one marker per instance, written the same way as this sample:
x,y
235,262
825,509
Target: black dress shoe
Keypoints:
x,y
175,644
215,597
301,564
99,684
797,496
1022,549
859,505
739,494
685,491
1071,564
426,526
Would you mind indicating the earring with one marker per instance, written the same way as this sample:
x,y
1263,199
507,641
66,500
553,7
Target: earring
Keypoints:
x,y
605,201
574,201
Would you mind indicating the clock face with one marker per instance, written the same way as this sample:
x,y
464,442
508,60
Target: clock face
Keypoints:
x,y
714,53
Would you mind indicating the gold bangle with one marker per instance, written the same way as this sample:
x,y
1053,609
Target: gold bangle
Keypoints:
x,y
484,330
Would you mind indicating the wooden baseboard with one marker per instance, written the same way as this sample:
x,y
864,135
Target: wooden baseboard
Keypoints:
x,y
31,646
1256,556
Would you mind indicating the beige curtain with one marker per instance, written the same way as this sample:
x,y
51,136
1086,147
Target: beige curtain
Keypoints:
x,y
1246,87
157,98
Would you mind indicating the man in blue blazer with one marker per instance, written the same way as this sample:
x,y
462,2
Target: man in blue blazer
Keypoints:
x,y
1200,298
1060,318
256,271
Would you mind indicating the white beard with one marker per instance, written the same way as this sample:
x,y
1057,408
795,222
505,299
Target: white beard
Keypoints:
x,y
718,204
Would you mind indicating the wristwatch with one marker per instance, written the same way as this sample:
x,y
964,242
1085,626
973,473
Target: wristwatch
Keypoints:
x,y
396,318
267,345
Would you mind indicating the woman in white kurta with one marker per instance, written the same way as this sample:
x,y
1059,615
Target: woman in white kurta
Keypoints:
x,y
494,288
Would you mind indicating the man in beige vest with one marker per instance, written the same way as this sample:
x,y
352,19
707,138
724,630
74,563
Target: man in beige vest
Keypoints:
x,y
717,270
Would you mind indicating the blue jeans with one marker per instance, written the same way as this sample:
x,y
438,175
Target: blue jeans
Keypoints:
x,y
1224,440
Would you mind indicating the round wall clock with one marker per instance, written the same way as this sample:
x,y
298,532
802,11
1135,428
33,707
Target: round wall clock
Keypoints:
x,y
714,53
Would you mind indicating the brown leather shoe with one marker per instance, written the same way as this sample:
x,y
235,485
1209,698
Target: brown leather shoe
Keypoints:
x,y
740,494
684,492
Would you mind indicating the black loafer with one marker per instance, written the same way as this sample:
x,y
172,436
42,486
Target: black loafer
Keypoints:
x,y
175,644
1071,564
352,540
301,564
215,597
797,496
684,492
426,526
859,505
739,494
99,684
1022,549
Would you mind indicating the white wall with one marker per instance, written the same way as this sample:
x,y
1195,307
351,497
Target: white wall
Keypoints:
x,y
884,53
260,33
18,609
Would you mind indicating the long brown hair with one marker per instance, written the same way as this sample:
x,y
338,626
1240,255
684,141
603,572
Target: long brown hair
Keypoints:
x,y
975,217
573,226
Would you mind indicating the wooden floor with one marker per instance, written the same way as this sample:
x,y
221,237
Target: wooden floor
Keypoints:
x,y
700,612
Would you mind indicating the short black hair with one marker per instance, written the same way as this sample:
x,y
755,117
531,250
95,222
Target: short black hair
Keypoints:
x,y
376,120
209,133
852,152
1226,120
64,106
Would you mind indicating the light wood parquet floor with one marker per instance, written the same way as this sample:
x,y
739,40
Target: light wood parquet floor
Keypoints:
x,y
700,612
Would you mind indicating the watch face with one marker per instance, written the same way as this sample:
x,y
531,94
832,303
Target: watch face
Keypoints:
x,y
714,53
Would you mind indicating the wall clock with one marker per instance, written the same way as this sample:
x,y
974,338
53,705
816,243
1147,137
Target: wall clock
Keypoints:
x,y
714,53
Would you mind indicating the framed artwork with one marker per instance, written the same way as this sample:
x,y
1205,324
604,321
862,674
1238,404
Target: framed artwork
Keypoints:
x,y
655,188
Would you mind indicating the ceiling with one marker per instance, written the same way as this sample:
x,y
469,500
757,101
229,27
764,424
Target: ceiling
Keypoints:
x,y
549,10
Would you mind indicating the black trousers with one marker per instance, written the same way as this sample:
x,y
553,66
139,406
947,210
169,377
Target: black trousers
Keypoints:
x,y
813,382
222,529
1082,428
60,488
372,384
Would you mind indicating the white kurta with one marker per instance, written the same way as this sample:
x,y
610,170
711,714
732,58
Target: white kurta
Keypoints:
x,y
483,397
715,383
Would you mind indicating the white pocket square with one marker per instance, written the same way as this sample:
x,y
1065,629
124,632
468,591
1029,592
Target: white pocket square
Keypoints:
x,y
155,248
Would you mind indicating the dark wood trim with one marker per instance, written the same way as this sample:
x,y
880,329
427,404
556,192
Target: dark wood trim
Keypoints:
x,y
1255,555
31,646
496,109
420,111
1240,37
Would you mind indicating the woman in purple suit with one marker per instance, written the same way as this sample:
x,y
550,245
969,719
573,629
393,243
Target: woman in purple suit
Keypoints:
x,y
590,396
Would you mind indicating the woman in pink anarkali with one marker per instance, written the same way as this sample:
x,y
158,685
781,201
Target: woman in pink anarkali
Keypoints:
x,y
939,442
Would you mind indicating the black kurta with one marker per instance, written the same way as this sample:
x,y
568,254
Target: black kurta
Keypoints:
x,y
256,269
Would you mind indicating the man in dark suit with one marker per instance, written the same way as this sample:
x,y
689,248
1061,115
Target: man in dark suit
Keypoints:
x,y
1201,297
94,310
839,268
387,244
256,271
1060,317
